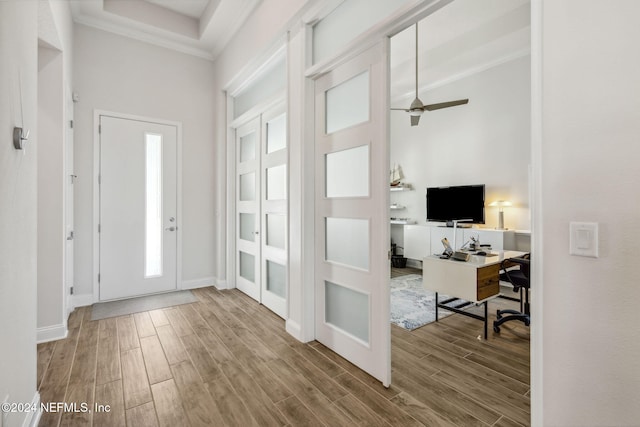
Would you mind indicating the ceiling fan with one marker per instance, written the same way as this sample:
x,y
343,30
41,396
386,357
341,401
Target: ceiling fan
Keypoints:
x,y
416,108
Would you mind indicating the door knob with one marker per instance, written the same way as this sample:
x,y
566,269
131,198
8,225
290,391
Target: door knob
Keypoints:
x,y
170,229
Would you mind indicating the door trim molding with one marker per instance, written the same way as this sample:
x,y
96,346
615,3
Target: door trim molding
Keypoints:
x,y
96,191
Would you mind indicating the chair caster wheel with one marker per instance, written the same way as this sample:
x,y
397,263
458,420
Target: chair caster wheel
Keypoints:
x,y
496,329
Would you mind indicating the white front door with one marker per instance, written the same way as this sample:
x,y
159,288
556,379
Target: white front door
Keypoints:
x,y
138,208
352,224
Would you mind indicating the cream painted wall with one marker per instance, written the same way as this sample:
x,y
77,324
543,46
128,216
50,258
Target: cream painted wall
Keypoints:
x,y
589,168
117,74
486,142
18,206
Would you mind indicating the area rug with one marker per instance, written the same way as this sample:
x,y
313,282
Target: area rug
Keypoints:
x,y
123,307
412,306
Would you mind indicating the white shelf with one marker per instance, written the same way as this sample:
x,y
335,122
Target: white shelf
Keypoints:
x,y
402,221
401,187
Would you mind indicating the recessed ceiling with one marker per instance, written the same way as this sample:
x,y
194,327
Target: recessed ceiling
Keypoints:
x,y
197,27
463,37
191,8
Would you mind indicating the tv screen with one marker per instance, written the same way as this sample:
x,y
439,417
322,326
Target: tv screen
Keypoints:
x,y
463,202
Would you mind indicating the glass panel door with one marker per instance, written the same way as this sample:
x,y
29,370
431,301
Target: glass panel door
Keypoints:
x,y
248,209
262,192
274,211
351,196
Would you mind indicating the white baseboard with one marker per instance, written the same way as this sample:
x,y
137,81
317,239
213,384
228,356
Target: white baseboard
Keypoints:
x,y
33,417
294,329
198,283
82,300
51,333
221,284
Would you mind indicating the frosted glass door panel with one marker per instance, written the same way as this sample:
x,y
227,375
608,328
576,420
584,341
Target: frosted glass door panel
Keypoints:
x,y
348,103
276,279
348,310
277,134
347,172
247,266
248,187
347,241
277,183
276,230
247,226
248,147
153,203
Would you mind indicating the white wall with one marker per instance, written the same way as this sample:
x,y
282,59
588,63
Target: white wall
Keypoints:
x,y
486,141
589,167
18,205
117,74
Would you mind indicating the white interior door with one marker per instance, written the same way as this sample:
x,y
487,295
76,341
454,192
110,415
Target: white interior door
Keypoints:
x,y
69,176
352,225
248,209
138,208
274,211
261,206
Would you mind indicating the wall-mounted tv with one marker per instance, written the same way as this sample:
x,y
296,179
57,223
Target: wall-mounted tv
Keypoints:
x,y
462,202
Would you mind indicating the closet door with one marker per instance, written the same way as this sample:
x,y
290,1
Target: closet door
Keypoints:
x,y
248,185
352,200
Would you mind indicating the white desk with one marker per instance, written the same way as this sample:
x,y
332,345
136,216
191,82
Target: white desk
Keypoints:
x,y
474,281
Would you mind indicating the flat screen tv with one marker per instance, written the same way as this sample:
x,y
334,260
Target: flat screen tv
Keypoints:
x,y
462,202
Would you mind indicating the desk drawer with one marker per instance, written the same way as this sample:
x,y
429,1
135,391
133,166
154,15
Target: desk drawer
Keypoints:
x,y
488,281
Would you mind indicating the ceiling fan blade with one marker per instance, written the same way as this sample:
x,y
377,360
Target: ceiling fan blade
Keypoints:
x,y
415,120
432,107
400,109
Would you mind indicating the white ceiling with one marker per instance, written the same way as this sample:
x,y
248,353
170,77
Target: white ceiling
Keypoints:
x,y
461,38
197,27
464,37
192,8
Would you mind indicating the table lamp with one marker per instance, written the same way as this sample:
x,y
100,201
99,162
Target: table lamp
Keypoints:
x,y
501,204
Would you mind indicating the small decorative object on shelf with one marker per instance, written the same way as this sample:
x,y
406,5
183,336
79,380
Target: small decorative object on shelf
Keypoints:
x,y
395,176
396,207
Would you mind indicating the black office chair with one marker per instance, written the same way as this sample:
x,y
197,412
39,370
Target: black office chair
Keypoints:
x,y
519,278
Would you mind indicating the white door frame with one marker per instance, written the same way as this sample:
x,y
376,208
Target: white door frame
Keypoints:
x,y
96,192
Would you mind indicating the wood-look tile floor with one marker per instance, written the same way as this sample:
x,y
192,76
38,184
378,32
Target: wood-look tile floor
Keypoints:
x,y
227,361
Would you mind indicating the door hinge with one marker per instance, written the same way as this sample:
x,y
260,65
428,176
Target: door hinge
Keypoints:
x,y
98,277
71,124
71,290
99,179
99,128
98,228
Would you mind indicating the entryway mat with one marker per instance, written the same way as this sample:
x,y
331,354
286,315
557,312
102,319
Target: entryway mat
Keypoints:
x,y
104,310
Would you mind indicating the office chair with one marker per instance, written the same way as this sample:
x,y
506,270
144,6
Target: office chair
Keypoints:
x,y
519,278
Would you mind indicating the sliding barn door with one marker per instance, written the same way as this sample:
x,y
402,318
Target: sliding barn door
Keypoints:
x,y
352,223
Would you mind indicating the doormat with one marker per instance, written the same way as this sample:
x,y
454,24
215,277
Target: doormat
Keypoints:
x,y
104,310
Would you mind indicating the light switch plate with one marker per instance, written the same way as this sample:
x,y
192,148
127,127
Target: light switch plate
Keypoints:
x,y
583,239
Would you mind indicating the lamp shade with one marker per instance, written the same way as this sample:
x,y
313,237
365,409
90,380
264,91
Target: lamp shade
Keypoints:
x,y
501,203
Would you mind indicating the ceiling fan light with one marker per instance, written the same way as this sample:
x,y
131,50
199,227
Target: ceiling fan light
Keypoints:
x,y
416,112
